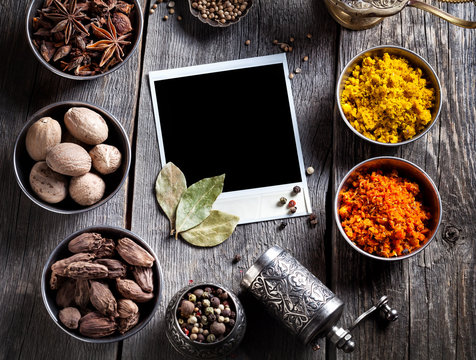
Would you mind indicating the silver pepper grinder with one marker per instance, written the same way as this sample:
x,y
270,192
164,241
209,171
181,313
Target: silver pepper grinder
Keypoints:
x,y
302,303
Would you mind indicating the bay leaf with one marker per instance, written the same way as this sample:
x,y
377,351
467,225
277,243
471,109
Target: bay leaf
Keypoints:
x,y
215,229
169,188
197,201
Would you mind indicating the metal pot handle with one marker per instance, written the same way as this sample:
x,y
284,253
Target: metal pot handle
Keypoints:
x,y
442,14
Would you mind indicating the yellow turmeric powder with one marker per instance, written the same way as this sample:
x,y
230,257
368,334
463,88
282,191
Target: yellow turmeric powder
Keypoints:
x,y
387,100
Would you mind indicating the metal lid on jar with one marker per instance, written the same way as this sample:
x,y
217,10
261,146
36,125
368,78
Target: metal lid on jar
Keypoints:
x,y
293,295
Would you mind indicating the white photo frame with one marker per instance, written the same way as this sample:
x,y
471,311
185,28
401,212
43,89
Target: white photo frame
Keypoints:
x,y
257,204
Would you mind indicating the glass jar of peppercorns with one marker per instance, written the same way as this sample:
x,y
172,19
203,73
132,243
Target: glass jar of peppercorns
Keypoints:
x,y
205,321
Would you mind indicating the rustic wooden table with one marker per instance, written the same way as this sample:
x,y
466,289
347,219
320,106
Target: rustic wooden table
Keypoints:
x,y
434,291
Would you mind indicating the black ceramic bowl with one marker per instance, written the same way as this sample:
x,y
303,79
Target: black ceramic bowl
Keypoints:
x,y
196,350
406,169
137,24
147,310
22,163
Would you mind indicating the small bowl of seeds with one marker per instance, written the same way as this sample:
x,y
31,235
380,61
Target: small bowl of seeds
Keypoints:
x,y
102,284
205,320
84,40
220,13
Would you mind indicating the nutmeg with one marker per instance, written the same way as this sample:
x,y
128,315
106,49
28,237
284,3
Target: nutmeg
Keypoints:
x,y
87,189
106,158
69,159
43,135
47,184
86,125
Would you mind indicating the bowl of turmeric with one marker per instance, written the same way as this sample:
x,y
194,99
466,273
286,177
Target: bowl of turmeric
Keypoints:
x,y
389,95
388,208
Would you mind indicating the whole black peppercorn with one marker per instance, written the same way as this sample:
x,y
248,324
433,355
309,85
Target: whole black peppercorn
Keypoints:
x,y
232,315
215,301
282,226
211,318
198,293
226,313
224,296
236,259
200,338
231,322
219,291
296,189
208,289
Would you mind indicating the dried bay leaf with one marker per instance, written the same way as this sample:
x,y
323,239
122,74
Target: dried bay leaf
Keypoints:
x,y
215,229
196,202
169,188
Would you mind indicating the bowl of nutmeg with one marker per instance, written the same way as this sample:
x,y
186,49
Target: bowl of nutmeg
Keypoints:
x,y
71,157
102,284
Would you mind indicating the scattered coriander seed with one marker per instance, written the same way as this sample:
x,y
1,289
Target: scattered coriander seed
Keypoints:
x,y
282,226
313,222
291,204
310,170
179,18
275,42
290,48
221,307
221,319
291,39
171,11
165,18
291,76
312,216
298,70
247,42
236,259
296,189
293,209
309,35
154,6
305,58
151,11
195,330
171,4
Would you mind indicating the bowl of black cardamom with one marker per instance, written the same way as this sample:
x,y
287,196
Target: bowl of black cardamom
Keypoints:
x,y
102,284
84,40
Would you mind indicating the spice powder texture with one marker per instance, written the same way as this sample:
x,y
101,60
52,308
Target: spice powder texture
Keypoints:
x,y
387,100
381,214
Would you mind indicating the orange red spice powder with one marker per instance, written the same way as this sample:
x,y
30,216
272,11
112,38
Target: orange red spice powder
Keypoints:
x,y
380,213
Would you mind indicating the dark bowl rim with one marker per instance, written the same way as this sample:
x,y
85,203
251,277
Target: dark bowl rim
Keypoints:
x,y
355,247
54,70
184,290
27,125
99,228
430,69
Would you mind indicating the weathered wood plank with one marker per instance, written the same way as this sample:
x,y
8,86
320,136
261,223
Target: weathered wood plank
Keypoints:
x,y
173,44
29,233
434,292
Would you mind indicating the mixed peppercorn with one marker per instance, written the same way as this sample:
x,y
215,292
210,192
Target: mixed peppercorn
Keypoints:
x,y
206,315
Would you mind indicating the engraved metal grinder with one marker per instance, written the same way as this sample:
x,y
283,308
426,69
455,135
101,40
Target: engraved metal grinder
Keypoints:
x,y
302,303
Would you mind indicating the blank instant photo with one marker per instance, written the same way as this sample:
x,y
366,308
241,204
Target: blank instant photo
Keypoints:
x,y
237,118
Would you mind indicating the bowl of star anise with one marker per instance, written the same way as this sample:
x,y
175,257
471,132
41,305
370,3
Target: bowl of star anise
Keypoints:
x,y
84,39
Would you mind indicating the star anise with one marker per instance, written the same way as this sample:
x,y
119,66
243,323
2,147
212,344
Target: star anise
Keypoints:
x,y
67,17
111,44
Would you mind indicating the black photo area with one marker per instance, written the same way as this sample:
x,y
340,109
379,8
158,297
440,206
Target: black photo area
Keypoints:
x,y
236,122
